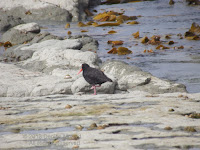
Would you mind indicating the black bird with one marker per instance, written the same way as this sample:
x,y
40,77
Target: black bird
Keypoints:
x,y
94,76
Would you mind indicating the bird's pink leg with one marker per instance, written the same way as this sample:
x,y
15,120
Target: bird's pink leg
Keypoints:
x,y
94,87
95,93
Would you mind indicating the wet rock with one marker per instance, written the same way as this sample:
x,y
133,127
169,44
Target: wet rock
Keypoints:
x,y
7,22
88,43
132,78
21,33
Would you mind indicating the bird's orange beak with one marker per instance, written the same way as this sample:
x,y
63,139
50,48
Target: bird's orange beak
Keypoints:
x,y
80,71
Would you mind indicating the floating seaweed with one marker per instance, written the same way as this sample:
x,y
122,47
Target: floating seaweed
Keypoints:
x,y
112,32
67,25
193,33
136,34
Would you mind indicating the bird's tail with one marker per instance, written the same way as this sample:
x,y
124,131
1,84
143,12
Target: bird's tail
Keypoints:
x,y
110,80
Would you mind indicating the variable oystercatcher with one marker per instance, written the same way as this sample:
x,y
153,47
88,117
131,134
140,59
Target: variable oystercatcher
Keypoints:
x,y
94,76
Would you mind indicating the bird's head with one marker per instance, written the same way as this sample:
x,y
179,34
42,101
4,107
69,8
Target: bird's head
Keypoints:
x,y
84,66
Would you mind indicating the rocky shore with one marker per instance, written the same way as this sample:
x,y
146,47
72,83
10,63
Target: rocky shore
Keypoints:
x,y
44,104
46,57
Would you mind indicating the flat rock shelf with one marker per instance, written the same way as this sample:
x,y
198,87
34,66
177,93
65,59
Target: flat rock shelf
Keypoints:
x,y
137,120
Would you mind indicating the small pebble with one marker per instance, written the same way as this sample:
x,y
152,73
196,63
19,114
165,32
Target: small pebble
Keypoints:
x,y
100,127
79,127
190,129
16,130
68,106
55,141
92,126
67,77
180,95
74,137
168,128
194,115
171,110
75,147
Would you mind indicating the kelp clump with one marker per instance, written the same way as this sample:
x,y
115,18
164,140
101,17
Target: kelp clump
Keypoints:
x,y
193,33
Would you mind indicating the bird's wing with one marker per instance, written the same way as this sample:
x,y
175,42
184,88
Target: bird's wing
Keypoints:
x,y
97,75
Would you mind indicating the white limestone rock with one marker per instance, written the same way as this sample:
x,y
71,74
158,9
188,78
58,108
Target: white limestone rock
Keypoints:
x,y
21,33
132,78
17,82
80,85
59,10
28,27
61,53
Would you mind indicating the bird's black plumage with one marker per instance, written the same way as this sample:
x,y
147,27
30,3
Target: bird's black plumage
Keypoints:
x,y
94,76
